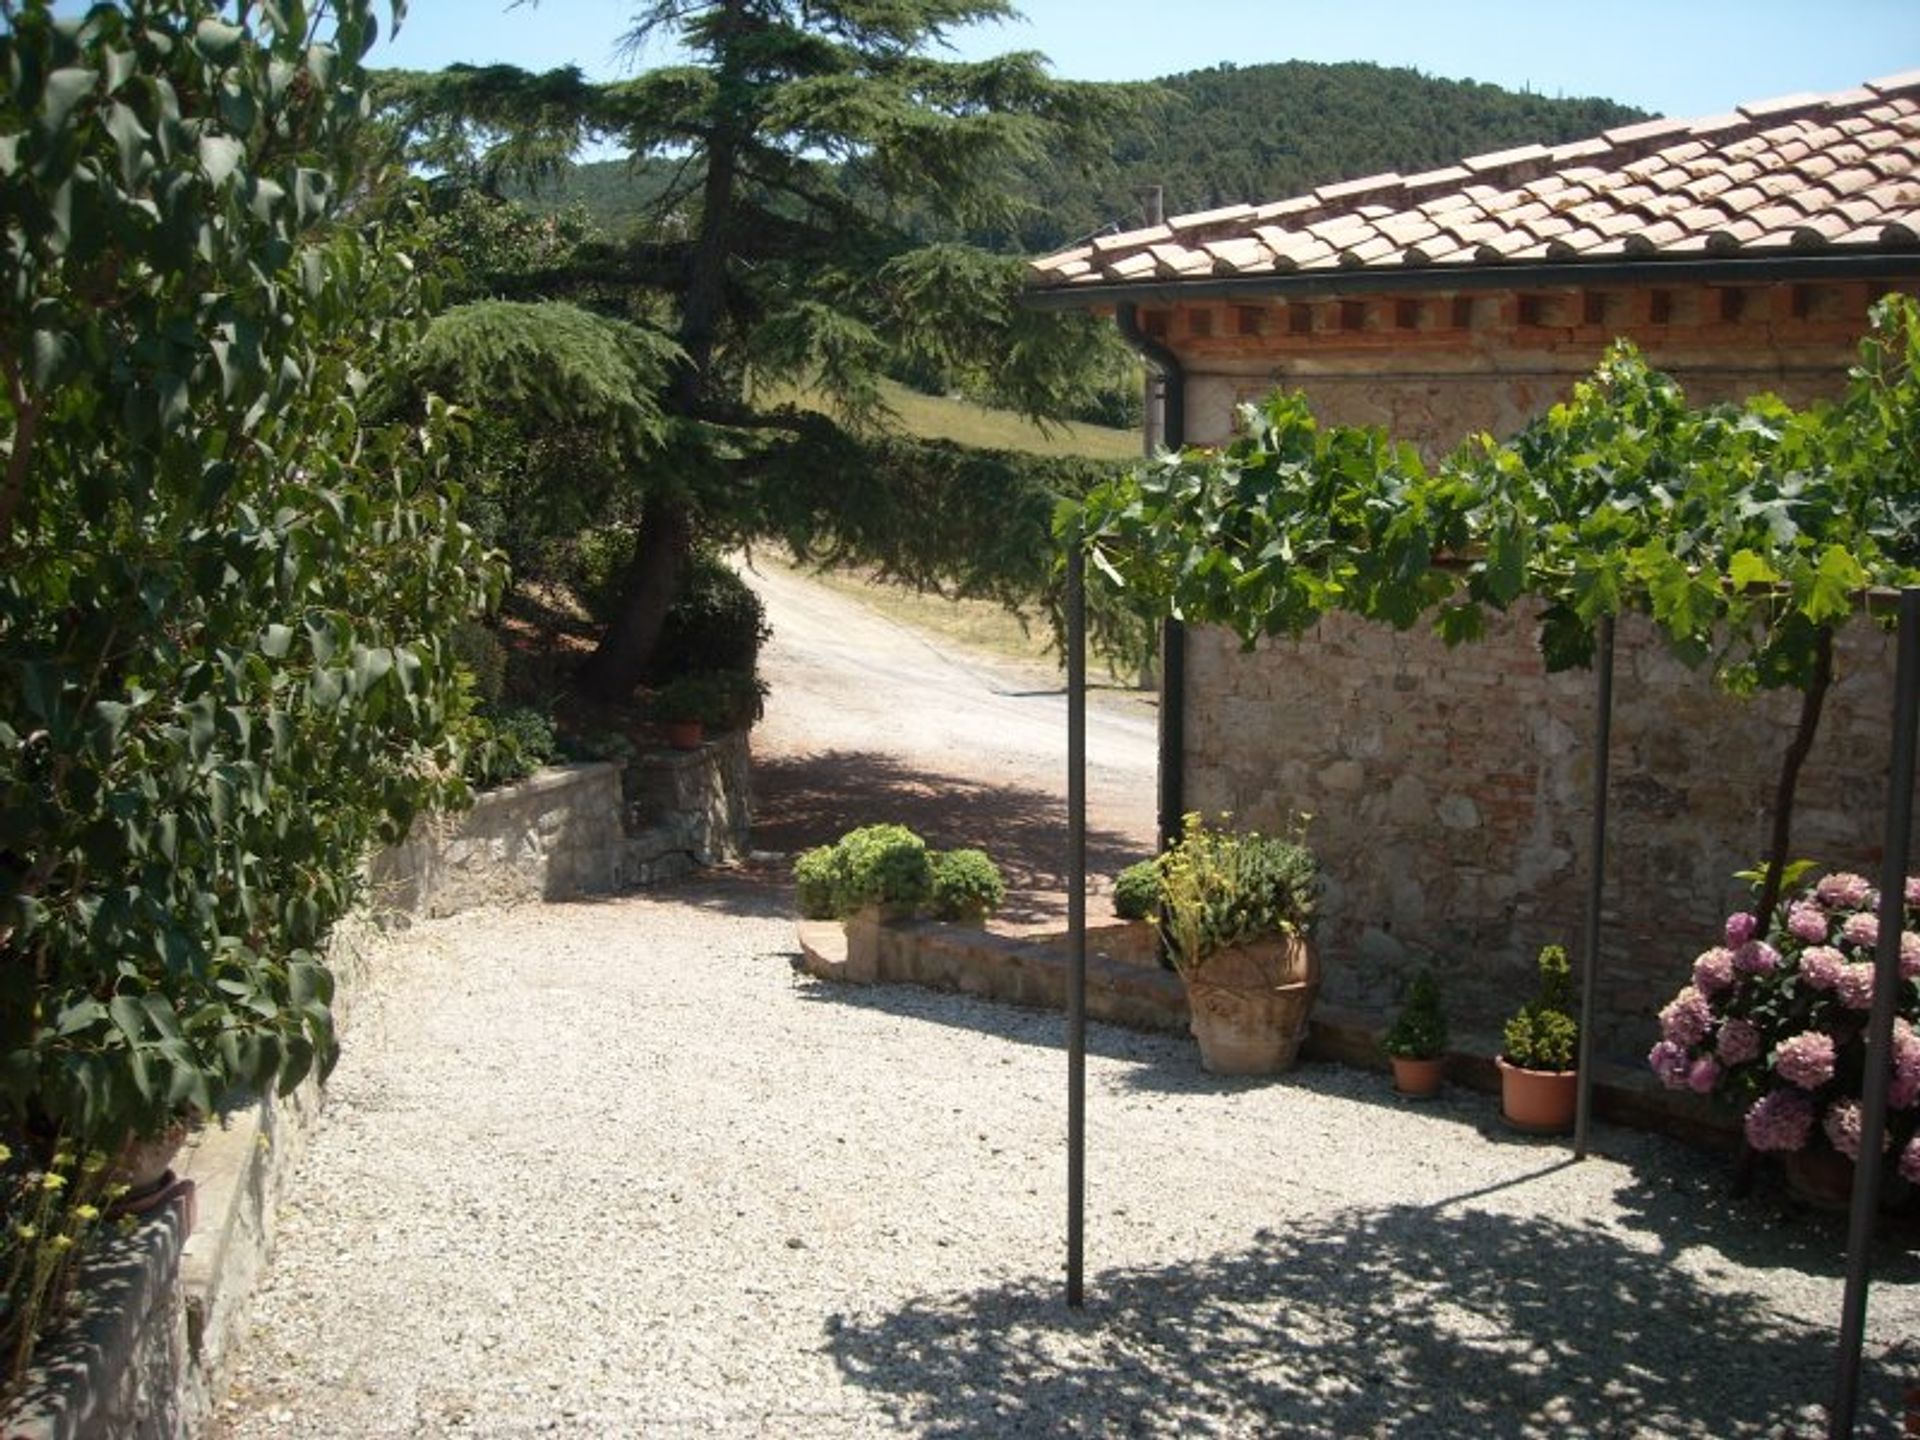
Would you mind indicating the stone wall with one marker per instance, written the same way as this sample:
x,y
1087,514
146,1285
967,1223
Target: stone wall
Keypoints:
x,y
1451,799
688,808
556,835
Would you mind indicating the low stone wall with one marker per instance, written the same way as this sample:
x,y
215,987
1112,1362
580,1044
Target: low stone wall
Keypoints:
x,y
686,809
147,1355
554,836
1127,986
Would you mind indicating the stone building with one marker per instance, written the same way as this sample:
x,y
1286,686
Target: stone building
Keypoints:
x,y
1450,789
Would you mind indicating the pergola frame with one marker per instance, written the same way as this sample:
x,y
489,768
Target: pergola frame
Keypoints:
x,y
1843,1406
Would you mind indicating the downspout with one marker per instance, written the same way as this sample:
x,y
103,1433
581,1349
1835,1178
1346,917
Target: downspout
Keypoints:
x,y
1173,634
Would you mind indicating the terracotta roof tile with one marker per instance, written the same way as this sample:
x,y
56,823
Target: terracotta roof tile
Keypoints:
x,y
1834,173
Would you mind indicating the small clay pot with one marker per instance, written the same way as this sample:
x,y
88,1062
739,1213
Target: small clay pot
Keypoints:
x,y
1418,1079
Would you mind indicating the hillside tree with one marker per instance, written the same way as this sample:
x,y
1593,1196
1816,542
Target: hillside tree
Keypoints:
x,y
802,134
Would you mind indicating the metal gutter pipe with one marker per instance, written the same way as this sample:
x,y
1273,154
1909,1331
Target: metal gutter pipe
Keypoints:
x,y
1173,634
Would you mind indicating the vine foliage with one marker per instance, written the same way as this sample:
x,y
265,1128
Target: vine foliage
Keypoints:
x,y
1745,532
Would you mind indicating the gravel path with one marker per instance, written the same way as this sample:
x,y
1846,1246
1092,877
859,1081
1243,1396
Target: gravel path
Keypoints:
x,y
615,1169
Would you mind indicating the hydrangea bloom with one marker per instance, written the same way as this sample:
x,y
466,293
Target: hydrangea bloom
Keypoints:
x,y
1687,1018
1842,1125
1713,971
1855,986
1756,957
1741,927
1905,1089
1807,922
1704,1075
1909,955
1862,930
1821,966
1913,892
1669,1061
1910,1162
1805,1059
1780,1120
1843,890
1739,1042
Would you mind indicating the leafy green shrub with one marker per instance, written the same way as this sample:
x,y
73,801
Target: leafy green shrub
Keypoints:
x,y
717,699
813,883
1420,1031
485,658
1544,1035
598,564
507,746
226,590
881,865
1136,891
716,622
1221,889
967,886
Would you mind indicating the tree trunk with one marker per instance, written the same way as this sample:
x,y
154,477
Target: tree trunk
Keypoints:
x,y
1811,702
646,591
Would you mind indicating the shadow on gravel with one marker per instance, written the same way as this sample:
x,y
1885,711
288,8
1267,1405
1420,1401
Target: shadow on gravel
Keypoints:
x,y
1397,1321
815,800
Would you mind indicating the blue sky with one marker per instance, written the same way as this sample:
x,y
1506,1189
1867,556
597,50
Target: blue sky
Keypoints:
x,y
1678,57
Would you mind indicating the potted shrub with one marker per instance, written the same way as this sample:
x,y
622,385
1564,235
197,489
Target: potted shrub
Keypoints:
x,y
1238,912
1538,1089
1136,892
1773,1021
967,886
1417,1040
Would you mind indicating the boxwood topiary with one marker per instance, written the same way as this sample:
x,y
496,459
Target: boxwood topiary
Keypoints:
x,y
813,883
881,865
1136,891
967,886
1544,1035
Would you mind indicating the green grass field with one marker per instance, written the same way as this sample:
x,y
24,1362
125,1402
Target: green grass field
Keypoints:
x,y
940,417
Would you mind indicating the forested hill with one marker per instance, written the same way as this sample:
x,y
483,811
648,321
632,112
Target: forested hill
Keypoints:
x,y
1231,133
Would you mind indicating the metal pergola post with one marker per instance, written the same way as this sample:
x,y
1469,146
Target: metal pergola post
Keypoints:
x,y
1076,919
1886,981
1596,882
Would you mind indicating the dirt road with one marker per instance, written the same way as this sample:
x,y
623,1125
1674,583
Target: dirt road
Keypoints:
x,y
870,720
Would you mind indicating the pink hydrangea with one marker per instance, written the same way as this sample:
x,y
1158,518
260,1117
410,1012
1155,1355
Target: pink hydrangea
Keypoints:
x,y
1821,966
1855,986
1905,1089
1703,1075
1780,1120
1741,927
1805,1059
1913,892
1687,1018
1713,971
1807,922
1739,1042
1842,1125
1670,1062
1843,890
1862,930
1756,957
1909,955
1910,1162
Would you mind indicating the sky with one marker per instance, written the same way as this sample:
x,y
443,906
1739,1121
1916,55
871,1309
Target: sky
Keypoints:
x,y
1674,57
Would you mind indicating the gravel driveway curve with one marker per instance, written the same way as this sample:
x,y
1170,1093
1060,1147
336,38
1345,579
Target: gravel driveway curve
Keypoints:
x,y
615,1169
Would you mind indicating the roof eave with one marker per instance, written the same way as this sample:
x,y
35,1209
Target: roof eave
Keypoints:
x,y
1328,284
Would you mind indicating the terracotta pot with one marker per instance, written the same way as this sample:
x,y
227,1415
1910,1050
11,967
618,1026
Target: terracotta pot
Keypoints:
x,y
1250,1006
685,734
1418,1079
1821,1178
1538,1102
144,1166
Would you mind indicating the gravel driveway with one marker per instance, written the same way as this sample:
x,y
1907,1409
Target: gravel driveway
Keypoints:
x,y
615,1169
